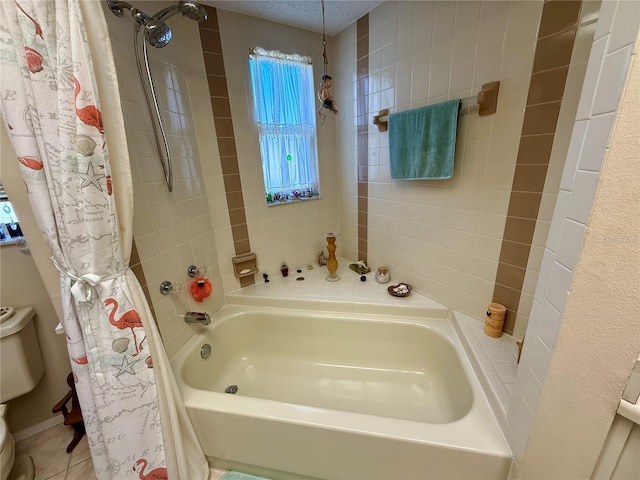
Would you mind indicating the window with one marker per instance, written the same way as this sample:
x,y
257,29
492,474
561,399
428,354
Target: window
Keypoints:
x,y
10,231
285,113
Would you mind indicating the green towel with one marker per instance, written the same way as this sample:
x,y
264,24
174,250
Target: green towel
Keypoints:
x,y
422,142
240,476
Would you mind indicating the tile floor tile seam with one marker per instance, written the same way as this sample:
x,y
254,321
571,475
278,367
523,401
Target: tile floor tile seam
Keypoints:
x,y
69,465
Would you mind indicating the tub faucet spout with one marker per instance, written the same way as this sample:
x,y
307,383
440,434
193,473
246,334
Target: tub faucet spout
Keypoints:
x,y
197,317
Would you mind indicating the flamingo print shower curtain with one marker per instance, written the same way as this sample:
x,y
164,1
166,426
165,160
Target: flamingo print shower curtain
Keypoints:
x,y
52,112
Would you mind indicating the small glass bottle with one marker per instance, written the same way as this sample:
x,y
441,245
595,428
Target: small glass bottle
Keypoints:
x,y
284,269
382,275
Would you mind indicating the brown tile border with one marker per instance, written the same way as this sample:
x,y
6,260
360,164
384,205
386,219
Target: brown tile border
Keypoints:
x,y
524,204
136,267
541,119
558,15
362,89
519,230
214,65
554,51
547,86
554,46
529,178
535,149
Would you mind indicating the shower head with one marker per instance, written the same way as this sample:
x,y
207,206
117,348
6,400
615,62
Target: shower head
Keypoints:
x,y
156,31
191,10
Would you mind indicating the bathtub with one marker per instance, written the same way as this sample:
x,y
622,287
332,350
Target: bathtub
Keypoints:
x,y
336,395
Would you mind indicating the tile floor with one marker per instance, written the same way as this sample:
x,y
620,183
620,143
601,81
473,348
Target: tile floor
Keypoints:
x,y
52,462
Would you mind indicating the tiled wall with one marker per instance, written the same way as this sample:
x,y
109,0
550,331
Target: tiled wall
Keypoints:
x,y
533,174
556,155
219,93
606,71
345,91
444,237
362,142
171,230
289,233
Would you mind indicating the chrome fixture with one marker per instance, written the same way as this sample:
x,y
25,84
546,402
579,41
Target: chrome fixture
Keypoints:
x,y
167,287
194,271
197,317
205,351
158,34
232,389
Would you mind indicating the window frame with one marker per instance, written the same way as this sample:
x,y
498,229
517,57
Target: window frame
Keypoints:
x,y
304,133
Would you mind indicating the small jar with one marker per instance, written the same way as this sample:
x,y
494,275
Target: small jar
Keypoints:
x,y
284,269
382,275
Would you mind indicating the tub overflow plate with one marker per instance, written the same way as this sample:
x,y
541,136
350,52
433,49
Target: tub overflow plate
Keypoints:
x,y
232,389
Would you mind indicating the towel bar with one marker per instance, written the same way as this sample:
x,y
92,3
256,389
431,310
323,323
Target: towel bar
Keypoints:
x,y
487,100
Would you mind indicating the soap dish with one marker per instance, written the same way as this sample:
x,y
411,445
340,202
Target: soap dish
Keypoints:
x,y
245,265
400,290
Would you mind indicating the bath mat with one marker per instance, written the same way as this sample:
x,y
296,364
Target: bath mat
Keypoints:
x,y
240,476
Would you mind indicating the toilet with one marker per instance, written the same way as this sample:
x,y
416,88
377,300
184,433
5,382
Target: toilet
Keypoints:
x,y
21,368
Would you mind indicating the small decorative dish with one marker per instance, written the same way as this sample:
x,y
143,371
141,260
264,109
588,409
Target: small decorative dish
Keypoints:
x,y
400,290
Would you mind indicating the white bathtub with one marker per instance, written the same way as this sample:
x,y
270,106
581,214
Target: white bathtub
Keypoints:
x,y
339,396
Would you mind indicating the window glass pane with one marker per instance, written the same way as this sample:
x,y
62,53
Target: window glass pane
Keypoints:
x,y
9,226
285,113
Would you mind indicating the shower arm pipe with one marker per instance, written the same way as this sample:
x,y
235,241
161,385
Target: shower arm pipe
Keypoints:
x,y
139,16
117,7
149,91
166,13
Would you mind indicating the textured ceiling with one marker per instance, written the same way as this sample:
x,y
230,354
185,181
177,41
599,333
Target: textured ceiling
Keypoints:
x,y
305,14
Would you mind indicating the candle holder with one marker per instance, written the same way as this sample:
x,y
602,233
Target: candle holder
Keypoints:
x,y
332,262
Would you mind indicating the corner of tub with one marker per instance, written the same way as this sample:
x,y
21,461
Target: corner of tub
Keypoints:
x,y
468,330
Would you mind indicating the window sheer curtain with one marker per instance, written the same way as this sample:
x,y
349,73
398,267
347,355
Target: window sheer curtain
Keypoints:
x,y
285,114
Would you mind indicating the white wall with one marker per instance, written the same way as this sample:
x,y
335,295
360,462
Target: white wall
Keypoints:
x,y
30,279
583,335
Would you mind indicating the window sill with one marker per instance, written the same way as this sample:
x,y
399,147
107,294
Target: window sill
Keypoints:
x,y
297,200
10,241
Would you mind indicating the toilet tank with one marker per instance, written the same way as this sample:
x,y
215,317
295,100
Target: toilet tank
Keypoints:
x,y
21,365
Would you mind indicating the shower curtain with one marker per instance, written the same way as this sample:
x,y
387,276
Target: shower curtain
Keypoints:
x,y
56,64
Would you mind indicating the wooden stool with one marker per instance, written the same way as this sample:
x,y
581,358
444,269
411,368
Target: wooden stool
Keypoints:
x,y
72,417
